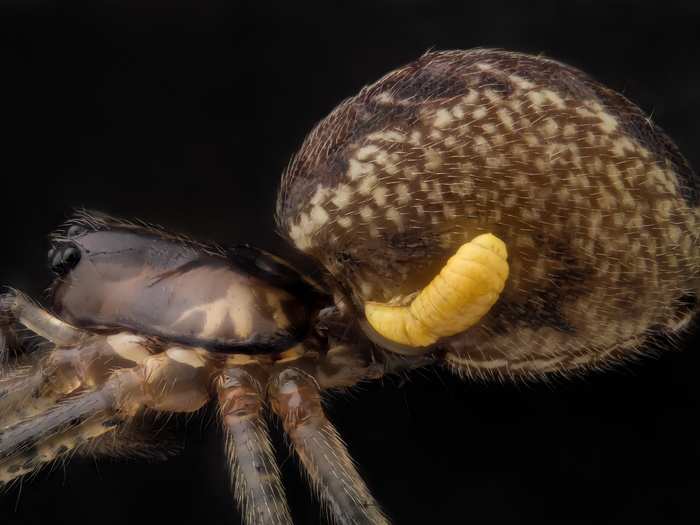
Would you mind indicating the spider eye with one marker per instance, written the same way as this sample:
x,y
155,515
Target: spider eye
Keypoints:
x,y
62,259
75,231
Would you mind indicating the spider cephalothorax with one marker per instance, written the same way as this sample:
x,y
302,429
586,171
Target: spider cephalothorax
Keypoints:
x,y
501,214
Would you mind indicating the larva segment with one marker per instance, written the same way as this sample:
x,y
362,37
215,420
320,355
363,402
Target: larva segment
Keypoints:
x,y
463,292
254,472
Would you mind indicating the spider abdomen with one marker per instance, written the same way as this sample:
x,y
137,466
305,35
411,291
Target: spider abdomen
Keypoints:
x,y
596,205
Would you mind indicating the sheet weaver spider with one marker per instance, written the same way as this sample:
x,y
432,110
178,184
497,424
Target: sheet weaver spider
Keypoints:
x,y
502,215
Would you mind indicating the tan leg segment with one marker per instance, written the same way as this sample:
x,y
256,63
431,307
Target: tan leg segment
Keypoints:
x,y
176,380
255,476
296,398
464,291
32,443
28,391
24,311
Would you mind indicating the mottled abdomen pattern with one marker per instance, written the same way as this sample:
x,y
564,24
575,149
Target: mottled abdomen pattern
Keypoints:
x,y
598,208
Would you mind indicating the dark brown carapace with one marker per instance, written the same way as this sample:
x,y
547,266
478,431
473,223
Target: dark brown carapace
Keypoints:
x,y
598,210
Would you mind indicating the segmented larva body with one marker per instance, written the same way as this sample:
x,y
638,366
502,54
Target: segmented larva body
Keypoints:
x,y
459,296
598,209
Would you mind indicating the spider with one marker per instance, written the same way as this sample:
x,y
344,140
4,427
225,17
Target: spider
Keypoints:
x,y
500,215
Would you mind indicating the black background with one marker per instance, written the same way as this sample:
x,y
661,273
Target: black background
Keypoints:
x,y
186,114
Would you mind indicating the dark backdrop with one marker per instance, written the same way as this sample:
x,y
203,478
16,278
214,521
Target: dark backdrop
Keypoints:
x,y
187,115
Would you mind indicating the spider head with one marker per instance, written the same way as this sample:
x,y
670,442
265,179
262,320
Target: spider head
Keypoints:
x,y
115,274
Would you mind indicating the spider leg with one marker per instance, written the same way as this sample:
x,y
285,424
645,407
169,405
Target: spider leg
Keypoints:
x,y
30,390
255,475
17,307
31,443
296,398
176,380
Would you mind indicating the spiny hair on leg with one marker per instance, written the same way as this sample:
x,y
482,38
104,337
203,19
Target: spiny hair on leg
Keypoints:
x,y
332,473
130,440
255,475
30,444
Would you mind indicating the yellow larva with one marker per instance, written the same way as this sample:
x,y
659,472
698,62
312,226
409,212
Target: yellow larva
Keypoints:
x,y
464,291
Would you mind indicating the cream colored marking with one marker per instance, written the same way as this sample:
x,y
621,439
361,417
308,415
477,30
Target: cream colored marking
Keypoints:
x,y
608,123
494,98
403,196
436,194
488,128
506,119
366,151
128,346
345,222
436,134
236,305
415,138
443,118
471,97
366,213
479,113
663,209
410,172
343,196
481,145
420,210
379,195
186,356
433,159
569,130
320,196
606,200
554,98
521,82
531,139
541,165
496,162
595,218
367,184
585,112
394,216
384,98
298,238
550,127
450,141
628,201
615,176
319,216
391,136
463,187
537,98
449,212
458,112
357,169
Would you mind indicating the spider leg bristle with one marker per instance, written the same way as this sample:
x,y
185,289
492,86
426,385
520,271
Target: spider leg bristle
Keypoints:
x,y
32,443
296,398
132,439
254,471
18,307
21,395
